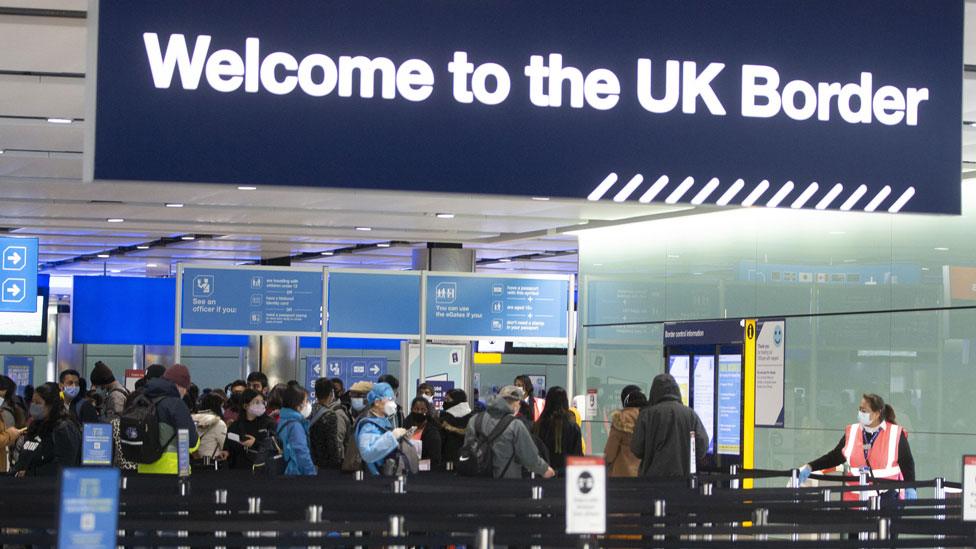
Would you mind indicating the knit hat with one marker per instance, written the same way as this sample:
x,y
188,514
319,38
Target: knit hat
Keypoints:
x,y
178,374
361,387
512,393
101,374
156,370
380,391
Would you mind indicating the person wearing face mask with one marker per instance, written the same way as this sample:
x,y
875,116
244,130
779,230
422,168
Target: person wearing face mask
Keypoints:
x,y
9,432
53,440
514,452
875,445
293,432
427,430
74,392
357,409
173,415
454,420
112,392
210,425
532,407
357,399
247,435
376,437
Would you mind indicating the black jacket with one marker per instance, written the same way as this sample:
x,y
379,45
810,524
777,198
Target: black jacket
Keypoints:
x,y
172,411
430,442
47,450
260,428
662,437
569,443
327,434
454,421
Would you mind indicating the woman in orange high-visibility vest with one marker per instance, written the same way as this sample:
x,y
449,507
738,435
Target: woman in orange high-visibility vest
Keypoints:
x,y
875,445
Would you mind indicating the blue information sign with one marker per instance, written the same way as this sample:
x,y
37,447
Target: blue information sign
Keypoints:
x,y
348,369
18,275
729,437
827,104
89,508
96,448
496,307
20,369
183,452
251,301
367,304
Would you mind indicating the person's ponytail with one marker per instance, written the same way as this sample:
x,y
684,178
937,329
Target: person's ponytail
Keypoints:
x,y
888,414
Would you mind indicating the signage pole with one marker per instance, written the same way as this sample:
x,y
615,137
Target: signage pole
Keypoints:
x,y
324,343
570,338
423,330
178,330
749,396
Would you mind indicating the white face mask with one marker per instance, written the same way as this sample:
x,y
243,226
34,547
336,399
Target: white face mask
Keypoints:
x,y
357,404
864,418
257,409
389,407
428,398
307,409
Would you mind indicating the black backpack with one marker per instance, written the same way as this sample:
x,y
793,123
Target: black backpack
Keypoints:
x,y
139,430
475,457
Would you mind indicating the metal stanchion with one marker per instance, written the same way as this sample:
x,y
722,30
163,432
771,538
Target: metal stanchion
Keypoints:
x,y
760,519
794,478
884,529
707,489
313,514
125,483
400,485
734,485
537,492
874,505
449,466
359,475
660,508
254,505
397,530
940,493
485,538
825,536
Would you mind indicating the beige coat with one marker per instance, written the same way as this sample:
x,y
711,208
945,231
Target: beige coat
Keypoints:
x,y
8,438
620,460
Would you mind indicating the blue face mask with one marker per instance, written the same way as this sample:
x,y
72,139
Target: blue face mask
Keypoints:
x,y
357,404
71,392
38,412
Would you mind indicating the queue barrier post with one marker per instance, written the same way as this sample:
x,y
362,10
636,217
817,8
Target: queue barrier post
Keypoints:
x,y
660,508
940,493
400,485
760,518
884,528
359,475
827,496
734,471
397,530
874,505
537,492
485,538
794,478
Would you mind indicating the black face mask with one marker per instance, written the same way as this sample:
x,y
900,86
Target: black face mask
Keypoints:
x,y
417,418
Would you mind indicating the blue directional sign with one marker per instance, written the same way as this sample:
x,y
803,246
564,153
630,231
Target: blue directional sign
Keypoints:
x,y
96,447
251,301
348,369
18,275
89,508
20,369
497,307
374,303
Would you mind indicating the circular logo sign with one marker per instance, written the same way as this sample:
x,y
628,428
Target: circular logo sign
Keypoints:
x,y
585,482
778,335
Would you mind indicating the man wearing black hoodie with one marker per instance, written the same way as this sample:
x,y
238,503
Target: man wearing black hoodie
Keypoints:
x,y
662,438
173,416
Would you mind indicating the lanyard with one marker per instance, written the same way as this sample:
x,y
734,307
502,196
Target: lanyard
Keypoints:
x,y
868,444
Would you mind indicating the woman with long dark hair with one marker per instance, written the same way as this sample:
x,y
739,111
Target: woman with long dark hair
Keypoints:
x,y
532,407
53,439
557,428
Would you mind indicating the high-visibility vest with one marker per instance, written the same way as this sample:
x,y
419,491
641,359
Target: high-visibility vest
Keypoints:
x,y
882,457
540,405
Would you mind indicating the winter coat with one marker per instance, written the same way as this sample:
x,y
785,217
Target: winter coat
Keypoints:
x,y
293,434
46,451
569,442
173,415
513,451
375,440
430,441
327,434
260,428
620,459
114,402
662,437
212,431
454,421
7,442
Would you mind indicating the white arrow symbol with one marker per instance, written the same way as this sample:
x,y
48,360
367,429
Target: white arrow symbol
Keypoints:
x,y
14,258
13,289
375,369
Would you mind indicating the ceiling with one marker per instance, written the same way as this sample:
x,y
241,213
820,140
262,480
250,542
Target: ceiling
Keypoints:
x,y
42,76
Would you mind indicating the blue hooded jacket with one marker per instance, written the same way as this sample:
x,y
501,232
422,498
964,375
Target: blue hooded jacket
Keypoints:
x,y
293,433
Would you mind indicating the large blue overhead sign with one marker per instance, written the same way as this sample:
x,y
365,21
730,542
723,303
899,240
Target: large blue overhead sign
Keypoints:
x,y
500,307
829,104
251,301
18,275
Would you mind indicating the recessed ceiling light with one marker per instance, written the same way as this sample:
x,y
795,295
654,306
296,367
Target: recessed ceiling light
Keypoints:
x,y
383,245
445,216
837,232
850,261
246,188
115,220
188,237
697,274
115,271
925,268
504,260
151,265
59,120
364,228
103,256
328,253
940,249
174,205
598,264
540,198
142,247
1,151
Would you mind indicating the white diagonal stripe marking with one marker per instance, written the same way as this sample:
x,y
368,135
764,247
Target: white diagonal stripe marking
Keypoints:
x,y
756,193
854,198
730,194
780,195
807,194
656,188
681,190
603,187
831,196
878,199
902,200
703,194
630,187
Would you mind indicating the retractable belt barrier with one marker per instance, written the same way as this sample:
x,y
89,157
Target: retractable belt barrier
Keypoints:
x,y
231,509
